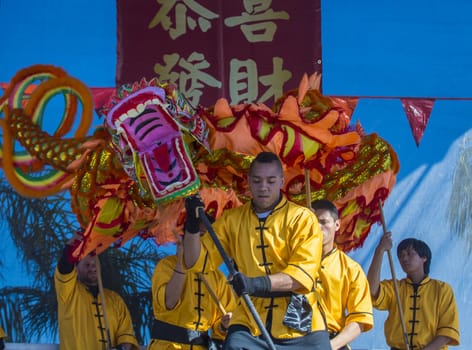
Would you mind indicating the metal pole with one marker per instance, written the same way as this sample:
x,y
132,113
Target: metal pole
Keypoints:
x,y
232,270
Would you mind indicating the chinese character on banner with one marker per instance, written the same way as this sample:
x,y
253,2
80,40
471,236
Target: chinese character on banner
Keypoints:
x,y
261,21
244,50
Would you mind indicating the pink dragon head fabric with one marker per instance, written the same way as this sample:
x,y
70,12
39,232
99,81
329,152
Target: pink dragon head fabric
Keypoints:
x,y
152,131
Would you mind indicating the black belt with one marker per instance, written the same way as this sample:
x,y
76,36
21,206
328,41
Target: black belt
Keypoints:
x,y
165,331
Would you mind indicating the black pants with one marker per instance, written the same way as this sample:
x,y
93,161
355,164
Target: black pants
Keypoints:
x,y
239,338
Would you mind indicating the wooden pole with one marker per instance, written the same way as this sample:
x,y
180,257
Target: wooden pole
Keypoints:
x,y
395,285
307,188
212,293
102,297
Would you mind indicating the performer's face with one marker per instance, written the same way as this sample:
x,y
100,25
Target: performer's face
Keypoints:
x,y
265,182
87,270
410,261
329,226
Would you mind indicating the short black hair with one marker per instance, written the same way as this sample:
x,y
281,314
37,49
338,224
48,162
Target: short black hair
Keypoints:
x,y
419,247
266,157
325,204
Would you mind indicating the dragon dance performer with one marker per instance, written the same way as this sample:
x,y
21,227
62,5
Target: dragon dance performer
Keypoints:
x,y
276,246
80,308
343,285
3,336
429,306
186,317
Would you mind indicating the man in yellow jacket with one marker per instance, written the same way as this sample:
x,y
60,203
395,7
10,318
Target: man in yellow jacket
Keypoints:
x,y
276,246
428,305
82,323
191,309
342,284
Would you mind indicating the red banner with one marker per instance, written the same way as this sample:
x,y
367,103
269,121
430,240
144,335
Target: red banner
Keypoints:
x,y
243,50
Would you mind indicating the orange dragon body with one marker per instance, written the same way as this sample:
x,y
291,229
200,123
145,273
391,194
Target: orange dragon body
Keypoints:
x,y
129,176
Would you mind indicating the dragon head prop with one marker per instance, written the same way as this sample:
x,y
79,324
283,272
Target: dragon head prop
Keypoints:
x,y
152,131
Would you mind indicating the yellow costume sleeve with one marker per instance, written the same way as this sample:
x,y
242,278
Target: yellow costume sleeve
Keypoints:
x,y
121,326
345,292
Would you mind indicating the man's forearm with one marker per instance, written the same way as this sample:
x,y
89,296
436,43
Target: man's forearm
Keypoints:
x,y
64,265
192,247
347,335
373,275
174,289
437,343
281,282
